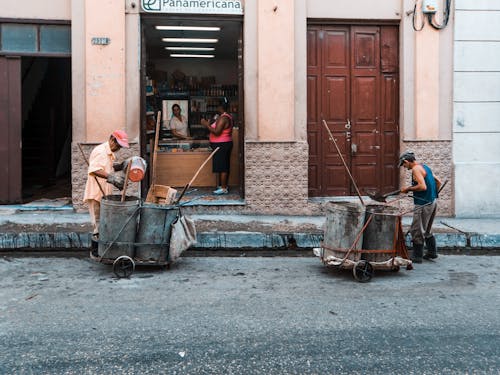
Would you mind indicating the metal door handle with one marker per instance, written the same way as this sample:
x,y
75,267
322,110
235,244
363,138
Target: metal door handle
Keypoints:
x,y
354,148
375,147
348,125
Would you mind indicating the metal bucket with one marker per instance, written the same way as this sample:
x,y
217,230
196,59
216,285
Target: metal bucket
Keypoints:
x,y
344,222
118,226
153,237
381,232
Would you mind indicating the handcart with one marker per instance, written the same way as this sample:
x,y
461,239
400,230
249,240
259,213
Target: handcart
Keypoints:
x,y
363,239
135,233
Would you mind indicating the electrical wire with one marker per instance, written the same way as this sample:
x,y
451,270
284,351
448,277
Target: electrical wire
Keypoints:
x,y
446,17
413,19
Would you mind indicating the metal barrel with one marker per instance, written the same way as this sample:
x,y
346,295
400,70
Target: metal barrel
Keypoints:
x,y
381,232
153,236
344,222
118,226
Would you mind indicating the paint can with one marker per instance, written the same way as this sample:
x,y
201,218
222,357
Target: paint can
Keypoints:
x,y
137,169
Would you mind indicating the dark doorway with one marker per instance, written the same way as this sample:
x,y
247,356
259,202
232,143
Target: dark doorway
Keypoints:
x,y
353,84
46,128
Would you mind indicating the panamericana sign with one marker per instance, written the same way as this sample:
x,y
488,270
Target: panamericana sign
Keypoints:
x,y
193,6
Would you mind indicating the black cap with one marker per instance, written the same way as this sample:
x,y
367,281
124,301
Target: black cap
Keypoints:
x,y
407,155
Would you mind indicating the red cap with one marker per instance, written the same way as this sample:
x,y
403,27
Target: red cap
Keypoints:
x,y
121,137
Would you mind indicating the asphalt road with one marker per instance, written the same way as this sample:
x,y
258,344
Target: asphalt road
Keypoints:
x,y
248,316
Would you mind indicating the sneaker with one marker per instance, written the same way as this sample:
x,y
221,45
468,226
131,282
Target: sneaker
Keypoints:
x,y
221,191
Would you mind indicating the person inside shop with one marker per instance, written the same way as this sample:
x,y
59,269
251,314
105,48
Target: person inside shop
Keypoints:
x,y
221,135
425,187
103,175
178,123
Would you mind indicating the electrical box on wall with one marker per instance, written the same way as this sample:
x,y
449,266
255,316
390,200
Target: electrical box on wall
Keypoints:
x,y
429,6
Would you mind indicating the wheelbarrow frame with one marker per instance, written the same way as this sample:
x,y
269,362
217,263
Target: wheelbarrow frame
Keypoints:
x,y
124,265
363,269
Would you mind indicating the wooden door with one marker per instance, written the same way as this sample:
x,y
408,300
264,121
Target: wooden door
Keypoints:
x,y
353,86
10,130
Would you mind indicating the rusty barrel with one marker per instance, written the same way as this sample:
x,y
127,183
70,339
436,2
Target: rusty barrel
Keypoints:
x,y
118,226
381,232
344,222
153,236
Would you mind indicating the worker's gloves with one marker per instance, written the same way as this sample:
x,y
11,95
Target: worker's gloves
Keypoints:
x,y
116,179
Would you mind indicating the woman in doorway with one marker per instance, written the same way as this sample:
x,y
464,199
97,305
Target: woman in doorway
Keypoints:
x,y
179,123
221,135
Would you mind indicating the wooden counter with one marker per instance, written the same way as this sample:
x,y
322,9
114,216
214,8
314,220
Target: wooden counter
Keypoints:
x,y
177,168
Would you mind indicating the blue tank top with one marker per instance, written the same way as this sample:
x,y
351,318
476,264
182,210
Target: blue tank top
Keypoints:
x,y
427,196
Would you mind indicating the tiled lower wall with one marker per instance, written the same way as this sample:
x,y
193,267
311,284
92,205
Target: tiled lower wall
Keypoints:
x,y
276,178
438,156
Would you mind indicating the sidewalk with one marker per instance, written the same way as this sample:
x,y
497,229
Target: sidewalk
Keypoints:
x,y
26,228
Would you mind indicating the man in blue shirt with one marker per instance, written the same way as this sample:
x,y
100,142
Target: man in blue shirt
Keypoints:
x,y
425,188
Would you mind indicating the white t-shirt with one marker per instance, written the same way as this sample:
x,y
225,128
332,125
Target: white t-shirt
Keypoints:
x,y
180,127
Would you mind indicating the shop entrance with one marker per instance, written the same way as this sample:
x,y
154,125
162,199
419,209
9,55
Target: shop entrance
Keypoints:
x,y
353,84
36,123
195,63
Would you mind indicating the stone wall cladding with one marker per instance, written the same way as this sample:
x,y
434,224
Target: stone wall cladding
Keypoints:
x,y
79,172
438,156
276,177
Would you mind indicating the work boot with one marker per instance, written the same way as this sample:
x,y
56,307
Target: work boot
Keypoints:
x,y
418,250
430,244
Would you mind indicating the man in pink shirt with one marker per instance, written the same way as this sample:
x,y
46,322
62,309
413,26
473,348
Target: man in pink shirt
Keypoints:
x,y
101,175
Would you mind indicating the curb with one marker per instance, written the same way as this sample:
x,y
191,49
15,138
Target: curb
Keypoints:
x,y
233,240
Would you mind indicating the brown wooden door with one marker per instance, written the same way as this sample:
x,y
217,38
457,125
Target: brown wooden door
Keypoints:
x,y
10,130
352,85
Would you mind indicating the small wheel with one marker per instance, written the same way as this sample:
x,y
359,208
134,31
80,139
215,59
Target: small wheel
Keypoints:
x,y
123,266
363,271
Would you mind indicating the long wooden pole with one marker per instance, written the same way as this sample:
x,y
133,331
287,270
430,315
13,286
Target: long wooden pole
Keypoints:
x,y
196,175
155,148
126,182
343,161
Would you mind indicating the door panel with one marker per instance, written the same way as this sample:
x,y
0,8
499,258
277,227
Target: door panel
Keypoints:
x,y
10,129
313,110
356,84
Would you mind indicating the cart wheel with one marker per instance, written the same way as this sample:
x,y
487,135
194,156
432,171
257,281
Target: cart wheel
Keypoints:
x,y
363,271
123,266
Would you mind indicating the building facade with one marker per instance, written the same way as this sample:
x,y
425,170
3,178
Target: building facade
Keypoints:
x,y
476,101
370,73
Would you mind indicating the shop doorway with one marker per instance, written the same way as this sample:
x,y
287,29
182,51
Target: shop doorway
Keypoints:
x,y
353,84
198,76
36,107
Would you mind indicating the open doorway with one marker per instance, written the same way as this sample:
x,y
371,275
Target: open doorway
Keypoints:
x,y
46,128
198,84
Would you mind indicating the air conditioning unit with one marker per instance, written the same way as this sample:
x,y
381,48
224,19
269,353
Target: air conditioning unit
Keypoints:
x,y
429,6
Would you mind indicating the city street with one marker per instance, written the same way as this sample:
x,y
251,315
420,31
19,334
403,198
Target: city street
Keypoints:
x,y
260,315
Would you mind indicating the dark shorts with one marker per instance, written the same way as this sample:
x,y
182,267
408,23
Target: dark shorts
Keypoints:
x,y
221,159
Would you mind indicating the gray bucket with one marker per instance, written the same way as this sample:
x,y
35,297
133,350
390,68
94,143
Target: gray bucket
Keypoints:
x,y
118,225
153,237
344,222
380,232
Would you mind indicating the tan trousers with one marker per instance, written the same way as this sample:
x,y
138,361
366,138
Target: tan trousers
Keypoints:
x,y
421,226
95,212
